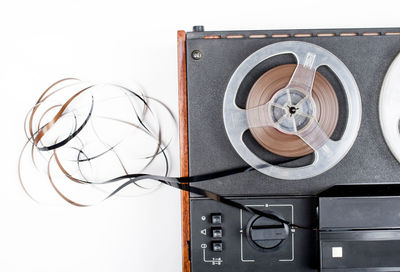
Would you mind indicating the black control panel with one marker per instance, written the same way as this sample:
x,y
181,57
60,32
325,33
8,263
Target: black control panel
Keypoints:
x,y
227,239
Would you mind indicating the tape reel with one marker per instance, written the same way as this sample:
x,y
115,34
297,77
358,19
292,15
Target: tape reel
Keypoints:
x,y
292,110
271,139
389,110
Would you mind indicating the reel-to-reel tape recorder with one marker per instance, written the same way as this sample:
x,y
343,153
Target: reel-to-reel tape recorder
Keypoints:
x,y
305,109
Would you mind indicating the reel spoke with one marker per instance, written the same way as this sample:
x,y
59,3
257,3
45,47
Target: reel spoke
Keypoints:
x,y
313,135
260,116
303,77
240,122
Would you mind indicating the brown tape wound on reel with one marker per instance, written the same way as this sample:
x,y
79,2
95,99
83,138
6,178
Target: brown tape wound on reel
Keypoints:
x,y
280,143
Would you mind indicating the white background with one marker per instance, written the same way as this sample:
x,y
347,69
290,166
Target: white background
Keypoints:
x,y
124,41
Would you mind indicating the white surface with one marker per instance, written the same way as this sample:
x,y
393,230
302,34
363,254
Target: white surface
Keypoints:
x,y
43,41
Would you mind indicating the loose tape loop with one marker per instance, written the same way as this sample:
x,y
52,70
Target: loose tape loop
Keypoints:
x,y
72,105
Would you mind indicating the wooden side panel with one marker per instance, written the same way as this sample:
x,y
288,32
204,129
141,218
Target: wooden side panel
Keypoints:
x,y
184,148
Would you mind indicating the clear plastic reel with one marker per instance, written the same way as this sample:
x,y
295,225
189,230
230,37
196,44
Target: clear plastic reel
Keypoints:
x,y
292,110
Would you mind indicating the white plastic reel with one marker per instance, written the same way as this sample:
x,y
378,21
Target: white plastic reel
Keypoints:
x,y
389,107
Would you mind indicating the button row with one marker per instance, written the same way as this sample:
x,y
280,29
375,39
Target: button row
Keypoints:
x,y
216,232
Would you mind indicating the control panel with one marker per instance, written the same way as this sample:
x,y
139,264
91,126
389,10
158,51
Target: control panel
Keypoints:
x,y
224,238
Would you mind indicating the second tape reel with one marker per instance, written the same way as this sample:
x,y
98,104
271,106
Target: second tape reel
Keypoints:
x,y
389,108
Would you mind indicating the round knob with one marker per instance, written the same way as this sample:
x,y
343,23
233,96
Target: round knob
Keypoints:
x,y
265,234
198,28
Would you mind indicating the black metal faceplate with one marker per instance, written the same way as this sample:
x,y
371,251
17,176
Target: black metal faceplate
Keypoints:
x,y
297,253
368,161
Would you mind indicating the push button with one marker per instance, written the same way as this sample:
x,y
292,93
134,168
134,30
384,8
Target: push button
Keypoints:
x,y
216,219
217,246
216,233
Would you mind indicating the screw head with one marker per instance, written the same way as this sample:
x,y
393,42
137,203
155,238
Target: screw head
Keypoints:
x,y
196,54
